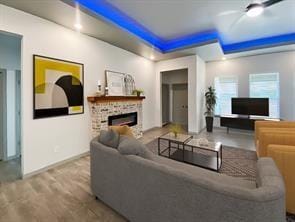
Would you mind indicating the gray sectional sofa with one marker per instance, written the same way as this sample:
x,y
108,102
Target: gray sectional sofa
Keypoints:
x,y
149,188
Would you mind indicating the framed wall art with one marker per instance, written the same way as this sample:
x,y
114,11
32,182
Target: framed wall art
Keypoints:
x,y
58,87
129,85
115,83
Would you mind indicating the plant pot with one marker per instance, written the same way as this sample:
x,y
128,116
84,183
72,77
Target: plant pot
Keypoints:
x,y
209,123
138,94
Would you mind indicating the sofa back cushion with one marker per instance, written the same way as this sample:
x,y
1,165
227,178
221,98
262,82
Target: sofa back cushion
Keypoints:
x,y
109,138
131,146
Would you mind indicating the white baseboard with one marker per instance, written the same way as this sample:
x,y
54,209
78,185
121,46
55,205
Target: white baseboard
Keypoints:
x,y
152,128
44,169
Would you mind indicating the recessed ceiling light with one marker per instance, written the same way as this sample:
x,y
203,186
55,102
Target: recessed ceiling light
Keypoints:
x,y
152,57
78,26
223,58
254,10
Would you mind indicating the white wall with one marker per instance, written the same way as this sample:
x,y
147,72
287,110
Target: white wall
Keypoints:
x,y
283,63
175,76
11,113
201,83
71,134
9,51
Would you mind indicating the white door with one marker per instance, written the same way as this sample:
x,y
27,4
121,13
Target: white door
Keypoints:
x,y
180,104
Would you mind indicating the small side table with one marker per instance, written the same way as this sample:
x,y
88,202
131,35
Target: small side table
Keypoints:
x,y
204,160
179,141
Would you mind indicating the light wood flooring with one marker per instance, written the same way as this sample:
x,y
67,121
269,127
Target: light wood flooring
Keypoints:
x,y
10,170
60,194
63,193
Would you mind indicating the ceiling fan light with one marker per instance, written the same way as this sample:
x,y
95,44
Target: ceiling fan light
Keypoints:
x,y
254,10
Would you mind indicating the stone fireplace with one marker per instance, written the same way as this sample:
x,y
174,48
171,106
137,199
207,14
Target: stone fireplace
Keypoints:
x,y
110,110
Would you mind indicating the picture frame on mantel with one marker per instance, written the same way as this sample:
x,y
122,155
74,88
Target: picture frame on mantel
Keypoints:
x,y
115,83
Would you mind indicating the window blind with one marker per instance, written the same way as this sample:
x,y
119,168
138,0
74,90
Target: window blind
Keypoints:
x,y
267,85
226,87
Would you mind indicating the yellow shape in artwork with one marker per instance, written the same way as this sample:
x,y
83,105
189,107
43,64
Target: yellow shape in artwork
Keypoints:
x,y
42,64
75,109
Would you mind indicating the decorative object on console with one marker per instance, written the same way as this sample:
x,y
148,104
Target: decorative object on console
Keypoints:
x,y
176,129
129,84
58,87
210,96
203,142
99,91
115,83
138,92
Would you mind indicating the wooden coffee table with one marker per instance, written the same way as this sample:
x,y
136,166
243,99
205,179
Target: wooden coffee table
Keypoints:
x,y
183,147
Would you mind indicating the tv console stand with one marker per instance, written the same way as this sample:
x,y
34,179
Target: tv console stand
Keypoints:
x,y
241,122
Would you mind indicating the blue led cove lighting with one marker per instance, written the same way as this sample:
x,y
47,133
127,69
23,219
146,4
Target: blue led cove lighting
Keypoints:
x,y
110,13
259,43
115,16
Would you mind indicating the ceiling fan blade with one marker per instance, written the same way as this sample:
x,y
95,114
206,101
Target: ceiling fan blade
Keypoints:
x,y
268,14
271,2
229,13
238,20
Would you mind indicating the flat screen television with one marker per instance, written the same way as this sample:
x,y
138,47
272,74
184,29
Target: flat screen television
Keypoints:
x,y
250,106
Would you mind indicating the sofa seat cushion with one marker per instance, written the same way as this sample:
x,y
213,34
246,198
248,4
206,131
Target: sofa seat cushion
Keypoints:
x,y
131,146
109,138
203,173
123,130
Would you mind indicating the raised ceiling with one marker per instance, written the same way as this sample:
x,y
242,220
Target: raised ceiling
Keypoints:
x,y
213,27
170,19
173,25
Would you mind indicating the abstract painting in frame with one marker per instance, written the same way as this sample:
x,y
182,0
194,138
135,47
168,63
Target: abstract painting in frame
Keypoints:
x,y
58,87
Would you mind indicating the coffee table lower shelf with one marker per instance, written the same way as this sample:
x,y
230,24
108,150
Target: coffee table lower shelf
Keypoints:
x,y
197,159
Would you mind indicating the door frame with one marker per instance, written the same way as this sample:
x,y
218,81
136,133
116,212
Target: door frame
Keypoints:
x,y
3,74
18,105
169,105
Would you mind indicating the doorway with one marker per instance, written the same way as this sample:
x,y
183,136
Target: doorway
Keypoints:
x,y
10,107
174,88
180,104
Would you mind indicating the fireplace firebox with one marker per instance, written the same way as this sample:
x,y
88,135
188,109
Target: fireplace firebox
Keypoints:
x,y
129,119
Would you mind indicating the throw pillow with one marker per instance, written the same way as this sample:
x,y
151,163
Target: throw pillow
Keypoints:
x,y
131,146
122,130
109,138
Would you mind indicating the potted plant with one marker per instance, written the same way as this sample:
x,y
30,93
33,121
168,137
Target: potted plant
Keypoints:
x,y
137,92
210,96
175,129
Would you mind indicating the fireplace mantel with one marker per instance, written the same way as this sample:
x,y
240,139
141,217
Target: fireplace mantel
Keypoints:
x,y
97,99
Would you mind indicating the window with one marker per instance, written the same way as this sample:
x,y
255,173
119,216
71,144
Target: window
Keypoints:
x,y
267,86
226,88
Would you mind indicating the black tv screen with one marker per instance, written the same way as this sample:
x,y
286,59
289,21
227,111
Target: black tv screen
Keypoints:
x,y
250,106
